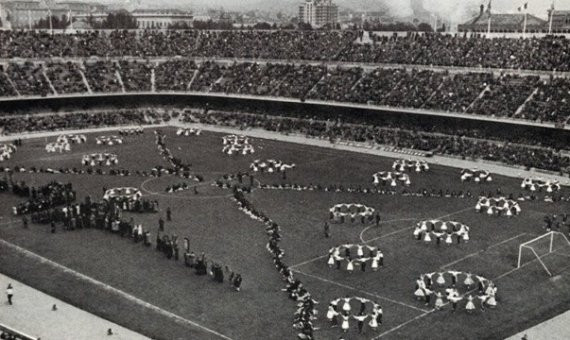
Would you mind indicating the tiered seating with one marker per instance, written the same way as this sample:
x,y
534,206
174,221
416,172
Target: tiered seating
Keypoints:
x,y
6,88
505,97
551,103
65,78
29,79
135,76
174,75
102,76
458,91
336,84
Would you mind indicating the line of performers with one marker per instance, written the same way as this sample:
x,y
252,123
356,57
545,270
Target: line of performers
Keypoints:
x,y
425,289
368,310
353,254
306,312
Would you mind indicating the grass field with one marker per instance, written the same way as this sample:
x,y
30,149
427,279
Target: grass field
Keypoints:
x,y
142,290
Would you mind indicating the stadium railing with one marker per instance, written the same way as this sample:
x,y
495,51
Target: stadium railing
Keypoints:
x,y
19,335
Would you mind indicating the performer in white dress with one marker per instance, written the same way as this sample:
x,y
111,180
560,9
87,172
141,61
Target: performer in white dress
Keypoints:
x,y
345,324
440,279
469,280
332,316
350,266
346,306
470,306
438,300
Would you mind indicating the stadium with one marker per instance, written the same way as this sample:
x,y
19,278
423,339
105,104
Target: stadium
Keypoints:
x,y
286,184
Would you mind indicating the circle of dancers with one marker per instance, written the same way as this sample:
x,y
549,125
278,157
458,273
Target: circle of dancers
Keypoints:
x,y
444,286
100,159
534,184
270,166
109,140
355,255
430,230
498,206
476,175
339,212
342,309
188,132
385,177
402,165
126,193
6,151
72,139
58,147
237,145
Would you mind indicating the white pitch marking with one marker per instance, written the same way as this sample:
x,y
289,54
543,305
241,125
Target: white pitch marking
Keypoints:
x,y
481,251
358,290
111,289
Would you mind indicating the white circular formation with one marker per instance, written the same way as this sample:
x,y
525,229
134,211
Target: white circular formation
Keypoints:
x,y
270,166
58,147
188,132
109,140
476,175
72,139
341,309
410,165
438,230
498,205
126,193
448,282
6,151
354,255
351,210
100,159
384,177
534,184
234,144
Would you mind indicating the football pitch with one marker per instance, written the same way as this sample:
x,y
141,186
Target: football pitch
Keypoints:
x,y
141,289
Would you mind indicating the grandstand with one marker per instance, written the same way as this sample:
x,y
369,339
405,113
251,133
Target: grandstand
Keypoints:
x,y
338,110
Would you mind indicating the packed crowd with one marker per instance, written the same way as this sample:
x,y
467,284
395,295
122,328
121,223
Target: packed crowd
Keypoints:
x,y
14,125
504,95
549,53
41,198
513,154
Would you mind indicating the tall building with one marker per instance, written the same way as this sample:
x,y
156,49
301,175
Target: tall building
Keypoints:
x,y
318,13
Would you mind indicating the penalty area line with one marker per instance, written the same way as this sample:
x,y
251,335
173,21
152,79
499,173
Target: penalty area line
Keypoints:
x,y
111,289
481,251
359,290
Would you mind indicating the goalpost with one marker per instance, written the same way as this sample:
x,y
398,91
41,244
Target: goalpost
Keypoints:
x,y
542,246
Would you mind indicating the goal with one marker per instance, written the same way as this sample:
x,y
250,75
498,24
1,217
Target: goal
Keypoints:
x,y
542,246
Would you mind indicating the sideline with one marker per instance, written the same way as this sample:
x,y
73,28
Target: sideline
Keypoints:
x,y
111,289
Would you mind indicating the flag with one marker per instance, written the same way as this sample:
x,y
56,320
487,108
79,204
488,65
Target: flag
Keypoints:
x,y
520,9
526,5
489,7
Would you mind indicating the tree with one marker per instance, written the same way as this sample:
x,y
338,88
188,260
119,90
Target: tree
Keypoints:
x,y
119,20
262,26
423,27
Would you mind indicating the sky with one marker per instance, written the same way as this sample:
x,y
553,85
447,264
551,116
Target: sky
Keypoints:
x,y
451,8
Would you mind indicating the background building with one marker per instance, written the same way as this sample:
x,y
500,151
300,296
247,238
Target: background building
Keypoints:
x,y
161,18
26,13
561,21
318,13
503,22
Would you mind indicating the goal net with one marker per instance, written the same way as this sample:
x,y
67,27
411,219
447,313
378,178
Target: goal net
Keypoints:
x,y
551,243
